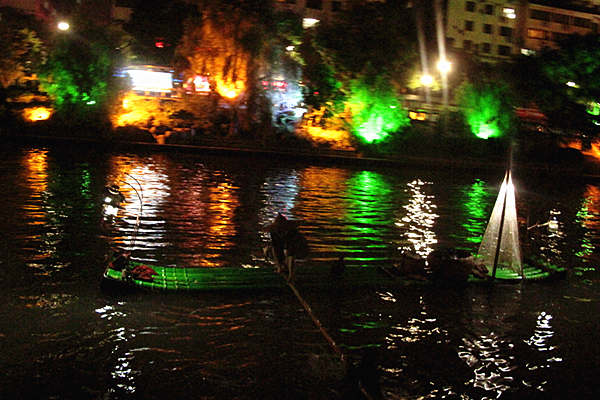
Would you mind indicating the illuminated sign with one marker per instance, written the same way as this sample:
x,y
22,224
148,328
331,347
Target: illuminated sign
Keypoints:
x,y
275,85
147,80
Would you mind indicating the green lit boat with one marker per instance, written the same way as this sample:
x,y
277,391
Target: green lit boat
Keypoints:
x,y
499,255
123,274
190,279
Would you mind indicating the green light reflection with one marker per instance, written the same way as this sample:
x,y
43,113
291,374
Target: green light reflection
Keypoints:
x,y
475,200
367,214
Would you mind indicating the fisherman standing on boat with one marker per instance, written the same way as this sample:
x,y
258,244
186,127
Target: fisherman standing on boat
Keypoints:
x,y
287,244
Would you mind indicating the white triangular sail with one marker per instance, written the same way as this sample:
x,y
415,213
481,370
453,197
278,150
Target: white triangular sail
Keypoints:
x,y
507,250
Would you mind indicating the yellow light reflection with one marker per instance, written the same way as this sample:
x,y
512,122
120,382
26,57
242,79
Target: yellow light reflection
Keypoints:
x,y
317,186
223,203
419,220
591,219
154,189
48,301
36,163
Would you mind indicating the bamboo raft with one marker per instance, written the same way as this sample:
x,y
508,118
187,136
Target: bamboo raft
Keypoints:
x,y
172,279
226,278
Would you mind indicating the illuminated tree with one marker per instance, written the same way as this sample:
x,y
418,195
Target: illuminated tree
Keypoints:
x,y
366,71
487,108
78,76
233,44
376,110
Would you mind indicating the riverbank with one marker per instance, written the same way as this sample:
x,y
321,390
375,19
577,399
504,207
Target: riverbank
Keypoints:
x,y
568,163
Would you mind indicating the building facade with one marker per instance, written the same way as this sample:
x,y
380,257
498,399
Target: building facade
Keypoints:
x,y
497,30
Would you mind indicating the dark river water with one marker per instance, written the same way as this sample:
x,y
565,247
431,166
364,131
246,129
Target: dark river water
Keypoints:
x,y
62,337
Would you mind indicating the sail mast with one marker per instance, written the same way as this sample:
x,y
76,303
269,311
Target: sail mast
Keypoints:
x,y
501,228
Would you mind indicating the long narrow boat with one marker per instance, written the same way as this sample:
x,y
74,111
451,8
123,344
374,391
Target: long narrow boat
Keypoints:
x,y
172,279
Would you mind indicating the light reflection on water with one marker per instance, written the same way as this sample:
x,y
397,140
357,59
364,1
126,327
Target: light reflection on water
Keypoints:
x,y
211,212
419,220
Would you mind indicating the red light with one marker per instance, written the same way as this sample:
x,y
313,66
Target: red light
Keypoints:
x,y
159,44
316,93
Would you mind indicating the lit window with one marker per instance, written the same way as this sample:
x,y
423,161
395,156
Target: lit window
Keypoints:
x,y
536,34
509,13
309,22
528,52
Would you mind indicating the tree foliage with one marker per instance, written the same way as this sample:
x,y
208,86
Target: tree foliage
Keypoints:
x,y
562,82
487,108
79,74
376,109
362,61
21,47
156,27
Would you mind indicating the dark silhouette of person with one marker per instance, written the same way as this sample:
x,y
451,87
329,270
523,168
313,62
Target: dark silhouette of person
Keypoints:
x,y
287,243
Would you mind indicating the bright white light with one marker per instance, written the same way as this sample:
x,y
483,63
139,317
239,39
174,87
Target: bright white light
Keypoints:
x,y
111,210
290,48
528,52
201,84
444,66
509,12
63,26
150,81
572,84
309,22
426,80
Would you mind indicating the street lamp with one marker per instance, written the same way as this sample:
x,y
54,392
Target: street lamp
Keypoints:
x,y
426,80
63,26
444,66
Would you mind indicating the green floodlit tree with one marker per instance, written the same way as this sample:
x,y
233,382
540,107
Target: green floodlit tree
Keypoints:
x,y
366,71
376,109
487,109
79,76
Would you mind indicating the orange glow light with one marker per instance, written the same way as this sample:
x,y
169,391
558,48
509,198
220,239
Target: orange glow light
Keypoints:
x,y
229,90
337,139
37,113
594,150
